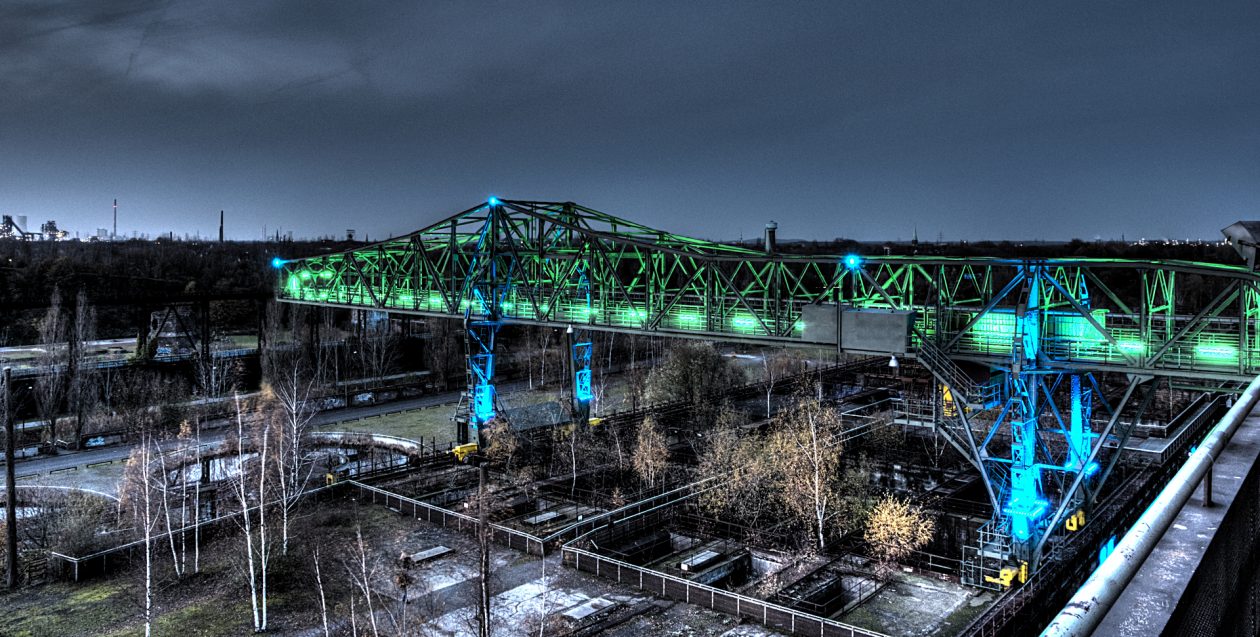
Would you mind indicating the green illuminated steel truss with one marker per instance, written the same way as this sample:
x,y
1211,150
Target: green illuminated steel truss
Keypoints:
x,y
563,264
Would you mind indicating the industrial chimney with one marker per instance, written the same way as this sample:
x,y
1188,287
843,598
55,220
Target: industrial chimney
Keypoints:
x,y
220,226
769,243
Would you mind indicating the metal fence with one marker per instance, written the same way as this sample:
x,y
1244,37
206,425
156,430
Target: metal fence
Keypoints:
x,y
767,614
77,568
652,503
511,538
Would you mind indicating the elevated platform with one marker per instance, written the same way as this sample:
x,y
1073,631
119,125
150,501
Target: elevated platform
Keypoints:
x,y
1202,578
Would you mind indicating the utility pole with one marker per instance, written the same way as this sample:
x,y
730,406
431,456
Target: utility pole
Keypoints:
x,y
10,491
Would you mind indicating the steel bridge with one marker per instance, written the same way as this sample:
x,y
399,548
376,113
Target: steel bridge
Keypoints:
x,y
1040,332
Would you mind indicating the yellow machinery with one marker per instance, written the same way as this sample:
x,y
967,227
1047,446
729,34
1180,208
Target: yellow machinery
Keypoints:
x,y
1076,522
947,402
1008,574
463,452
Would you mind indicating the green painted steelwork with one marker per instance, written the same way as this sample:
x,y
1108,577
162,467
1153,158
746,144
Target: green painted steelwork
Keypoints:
x,y
1046,323
1177,318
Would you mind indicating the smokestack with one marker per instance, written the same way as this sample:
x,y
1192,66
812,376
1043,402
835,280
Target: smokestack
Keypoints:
x,y
115,233
769,243
220,226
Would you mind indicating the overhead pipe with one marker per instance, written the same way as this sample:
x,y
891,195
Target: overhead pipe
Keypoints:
x,y
1099,593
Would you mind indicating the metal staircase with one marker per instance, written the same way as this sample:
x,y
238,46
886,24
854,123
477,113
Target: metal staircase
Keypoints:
x,y
947,372
951,421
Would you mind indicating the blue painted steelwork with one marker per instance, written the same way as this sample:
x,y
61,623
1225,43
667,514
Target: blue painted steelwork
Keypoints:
x,y
481,367
1079,434
1025,504
1030,319
1105,550
1034,480
582,374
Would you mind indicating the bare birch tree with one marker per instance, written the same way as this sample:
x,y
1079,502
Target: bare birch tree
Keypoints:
x,y
292,391
745,475
651,452
484,534
323,601
82,379
138,498
362,577
53,359
807,449
403,581
190,455
778,364
257,554
695,373
378,348
161,484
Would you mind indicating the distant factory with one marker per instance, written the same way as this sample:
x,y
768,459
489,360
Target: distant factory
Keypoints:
x,y
15,227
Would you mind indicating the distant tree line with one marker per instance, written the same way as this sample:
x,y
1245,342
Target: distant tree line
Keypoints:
x,y
108,272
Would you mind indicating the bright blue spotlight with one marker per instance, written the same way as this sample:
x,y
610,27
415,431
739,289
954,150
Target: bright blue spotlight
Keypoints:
x,y
1091,469
852,261
277,262
494,201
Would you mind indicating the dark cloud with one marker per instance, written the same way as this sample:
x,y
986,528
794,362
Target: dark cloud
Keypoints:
x,y
971,119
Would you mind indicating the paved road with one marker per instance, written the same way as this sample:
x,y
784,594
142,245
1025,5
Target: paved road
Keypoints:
x,y
215,430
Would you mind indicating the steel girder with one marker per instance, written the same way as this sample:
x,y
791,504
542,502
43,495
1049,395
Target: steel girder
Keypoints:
x,y
1167,318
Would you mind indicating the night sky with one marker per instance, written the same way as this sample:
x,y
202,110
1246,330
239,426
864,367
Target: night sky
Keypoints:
x,y
866,120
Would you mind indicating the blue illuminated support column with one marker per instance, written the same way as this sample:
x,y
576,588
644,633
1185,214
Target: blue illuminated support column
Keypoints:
x,y
485,291
582,390
580,350
479,337
1079,433
1026,506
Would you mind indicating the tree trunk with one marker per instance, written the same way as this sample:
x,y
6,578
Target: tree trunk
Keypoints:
x,y
323,602
483,539
244,499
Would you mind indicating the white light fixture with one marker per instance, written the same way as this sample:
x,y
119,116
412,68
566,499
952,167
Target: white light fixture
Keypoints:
x,y
894,363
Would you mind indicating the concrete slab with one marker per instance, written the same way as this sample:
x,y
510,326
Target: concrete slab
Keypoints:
x,y
588,608
430,554
913,604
